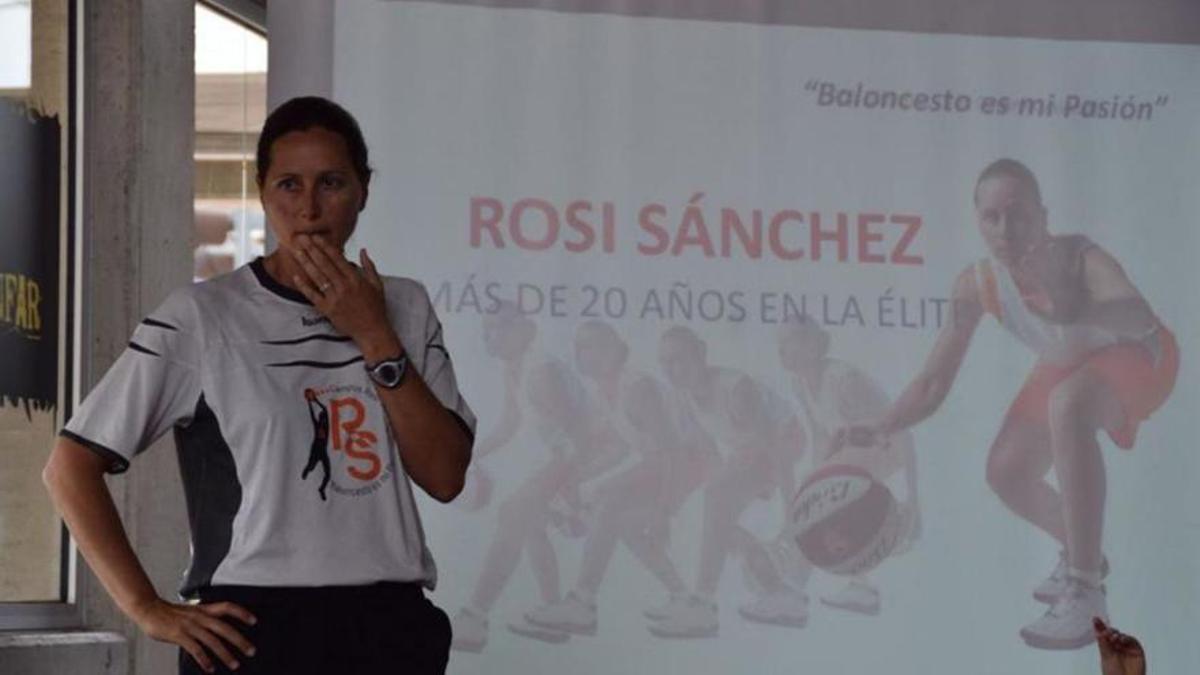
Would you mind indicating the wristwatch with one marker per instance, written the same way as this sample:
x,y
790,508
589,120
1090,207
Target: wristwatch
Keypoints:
x,y
389,373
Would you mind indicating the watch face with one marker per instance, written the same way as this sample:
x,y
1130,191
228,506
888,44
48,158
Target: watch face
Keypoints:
x,y
388,373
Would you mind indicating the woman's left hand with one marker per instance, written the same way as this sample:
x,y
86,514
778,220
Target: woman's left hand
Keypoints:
x,y
351,298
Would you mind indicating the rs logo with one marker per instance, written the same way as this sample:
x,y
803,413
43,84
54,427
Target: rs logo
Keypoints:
x,y
358,444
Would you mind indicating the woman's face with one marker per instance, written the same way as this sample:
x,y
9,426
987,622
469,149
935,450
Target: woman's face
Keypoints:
x,y
799,349
1009,217
595,351
680,361
505,335
311,188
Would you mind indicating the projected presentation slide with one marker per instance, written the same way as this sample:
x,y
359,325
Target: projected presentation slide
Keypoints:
x,y
796,349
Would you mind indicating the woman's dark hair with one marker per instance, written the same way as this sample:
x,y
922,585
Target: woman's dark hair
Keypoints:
x,y
303,113
1014,169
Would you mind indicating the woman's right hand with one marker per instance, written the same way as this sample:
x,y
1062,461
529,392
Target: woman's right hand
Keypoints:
x,y
198,629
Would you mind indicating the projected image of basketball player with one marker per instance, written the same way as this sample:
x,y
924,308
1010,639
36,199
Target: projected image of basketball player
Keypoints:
x,y
1105,363
507,336
557,406
635,506
761,439
843,515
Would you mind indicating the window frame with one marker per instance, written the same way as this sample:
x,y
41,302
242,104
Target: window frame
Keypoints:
x,y
64,612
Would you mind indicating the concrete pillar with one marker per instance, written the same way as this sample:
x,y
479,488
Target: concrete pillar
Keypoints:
x,y
138,117
299,50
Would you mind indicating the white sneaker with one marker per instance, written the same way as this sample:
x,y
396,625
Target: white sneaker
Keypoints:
x,y
530,630
858,596
675,602
1068,622
572,614
469,630
789,608
697,618
1055,584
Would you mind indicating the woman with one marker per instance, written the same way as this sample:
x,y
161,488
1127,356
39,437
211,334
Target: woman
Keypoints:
x,y
634,506
507,336
288,579
832,394
1105,362
557,407
762,439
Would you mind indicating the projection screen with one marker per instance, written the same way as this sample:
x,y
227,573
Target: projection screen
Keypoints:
x,y
696,272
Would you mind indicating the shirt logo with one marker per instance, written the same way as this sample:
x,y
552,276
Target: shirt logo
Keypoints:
x,y
313,320
345,445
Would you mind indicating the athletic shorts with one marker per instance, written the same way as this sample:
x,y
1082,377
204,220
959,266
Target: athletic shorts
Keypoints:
x,y
377,629
1141,385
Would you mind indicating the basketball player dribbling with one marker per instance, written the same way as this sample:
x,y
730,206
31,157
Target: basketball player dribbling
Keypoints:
x,y
1105,362
834,394
508,336
635,506
558,408
762,439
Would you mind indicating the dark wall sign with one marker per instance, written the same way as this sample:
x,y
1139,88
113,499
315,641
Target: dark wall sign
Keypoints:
x,y
29,256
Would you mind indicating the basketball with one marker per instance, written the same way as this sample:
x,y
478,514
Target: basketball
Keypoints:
x,y
843,520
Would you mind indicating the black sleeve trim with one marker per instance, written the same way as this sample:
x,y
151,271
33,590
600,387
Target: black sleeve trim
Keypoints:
x,y
116,463
439,348
462,423
138,348
158,324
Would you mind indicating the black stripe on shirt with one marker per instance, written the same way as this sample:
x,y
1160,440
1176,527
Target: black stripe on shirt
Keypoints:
x,y
158,324
308,338
315,364
138,348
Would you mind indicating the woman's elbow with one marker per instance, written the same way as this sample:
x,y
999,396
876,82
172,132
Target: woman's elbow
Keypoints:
x,y
933,391
453,483
68,462
446,491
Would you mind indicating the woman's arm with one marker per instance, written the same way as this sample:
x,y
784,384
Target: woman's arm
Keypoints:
x,y
929,388
74,476
1114,302
434,447
926,392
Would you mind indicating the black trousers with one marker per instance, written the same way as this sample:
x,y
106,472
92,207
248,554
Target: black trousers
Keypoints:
x,y
380,629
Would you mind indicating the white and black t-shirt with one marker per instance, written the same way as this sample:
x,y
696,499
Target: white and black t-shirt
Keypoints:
x,y
291,474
